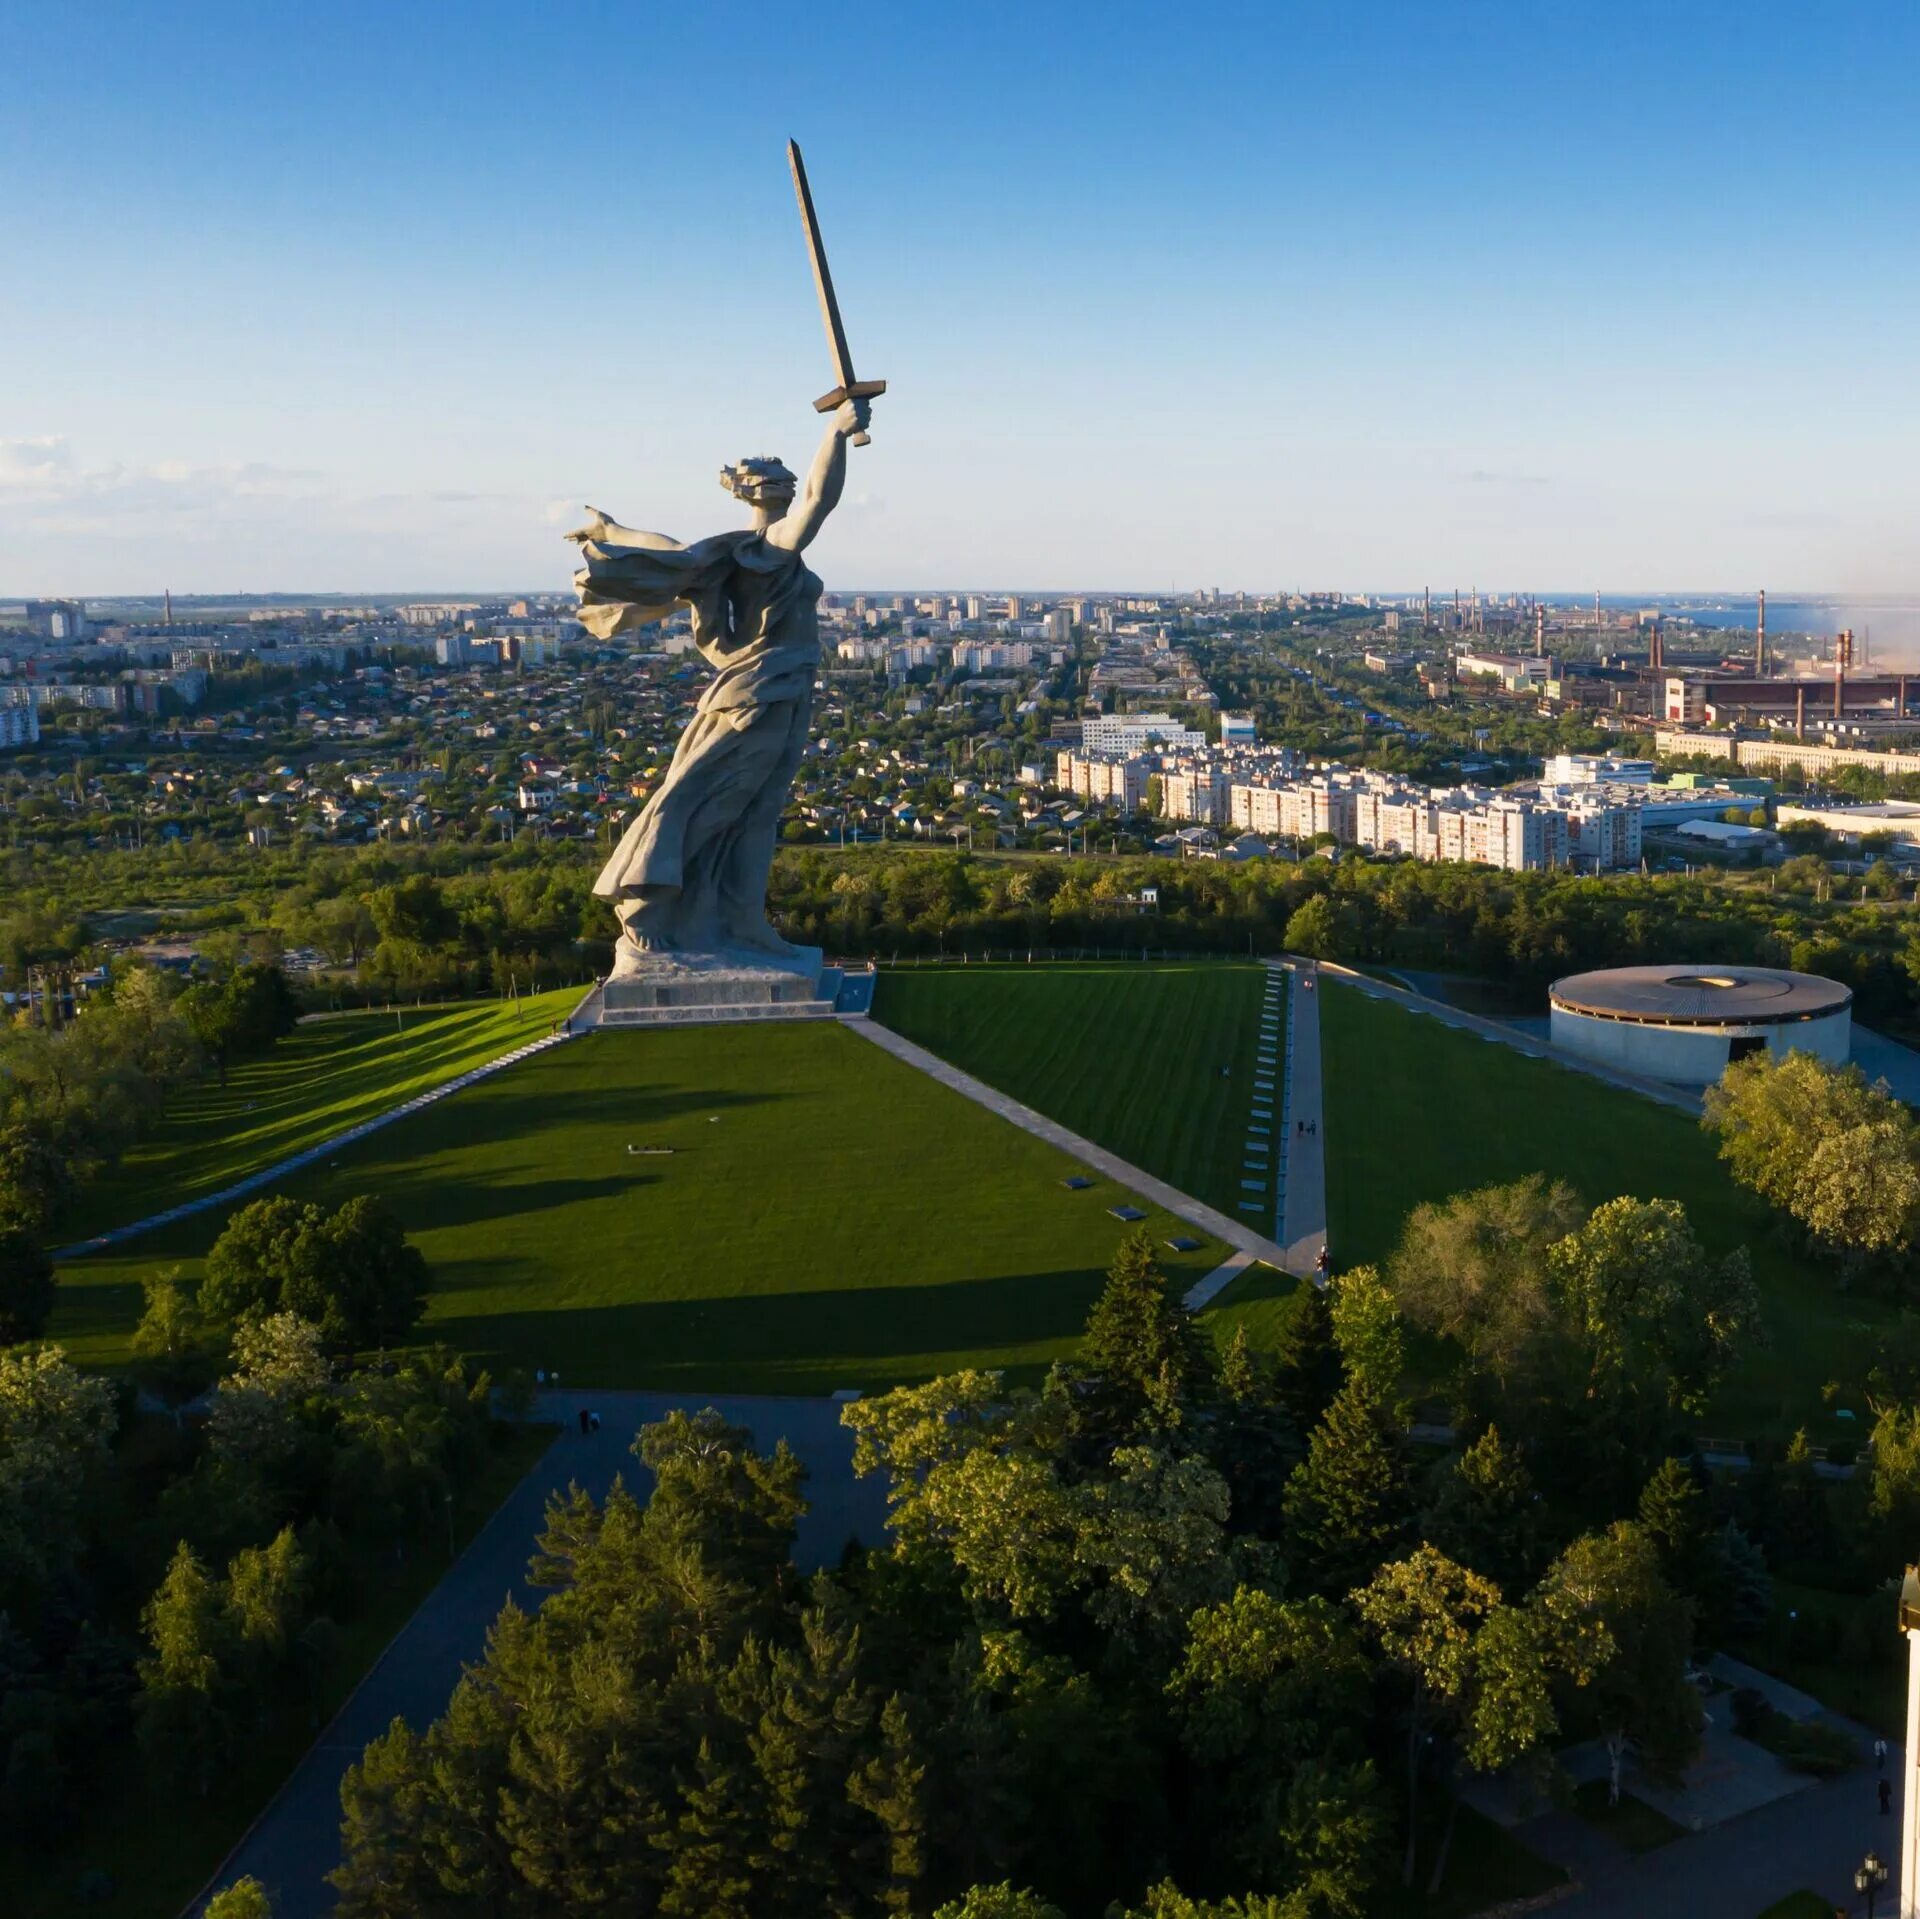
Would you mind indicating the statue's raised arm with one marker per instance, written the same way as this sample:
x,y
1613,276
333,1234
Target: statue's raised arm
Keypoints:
x,y
826,479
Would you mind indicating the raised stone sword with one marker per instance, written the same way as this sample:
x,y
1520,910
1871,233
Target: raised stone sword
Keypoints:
x,y
849,388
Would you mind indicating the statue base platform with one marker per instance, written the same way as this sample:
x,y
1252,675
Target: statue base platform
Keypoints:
x,y
731,979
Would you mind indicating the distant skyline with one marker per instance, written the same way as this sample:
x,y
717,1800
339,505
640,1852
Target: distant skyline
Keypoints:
x,y
367,299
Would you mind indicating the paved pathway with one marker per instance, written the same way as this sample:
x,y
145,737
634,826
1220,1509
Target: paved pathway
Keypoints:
x,y
1303,1221
1241,1238
295,1842
1204,1292
267,1174
1813,1840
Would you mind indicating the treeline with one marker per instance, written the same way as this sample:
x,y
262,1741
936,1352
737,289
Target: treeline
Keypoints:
x,y
1184,1627
465,920
445,921
1525,928
76,1091
185,1584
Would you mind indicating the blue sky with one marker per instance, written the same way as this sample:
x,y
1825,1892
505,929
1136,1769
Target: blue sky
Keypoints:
x,y
1543,296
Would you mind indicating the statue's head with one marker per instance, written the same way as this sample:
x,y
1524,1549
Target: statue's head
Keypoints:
x,y
760,481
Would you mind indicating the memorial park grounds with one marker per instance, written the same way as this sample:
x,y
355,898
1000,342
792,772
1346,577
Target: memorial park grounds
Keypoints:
x,y
788,1209
828,1218
825,1218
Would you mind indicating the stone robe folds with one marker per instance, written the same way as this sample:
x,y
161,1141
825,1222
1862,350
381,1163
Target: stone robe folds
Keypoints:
x,y
699,854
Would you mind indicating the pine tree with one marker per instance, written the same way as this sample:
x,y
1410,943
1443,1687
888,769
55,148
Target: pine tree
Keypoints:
x,y
709,1845
1306,1363
387,1869
183,1721
1346,1504
1141,1349
892,1787
244,1899
1484,1512
266,1592
1250,1439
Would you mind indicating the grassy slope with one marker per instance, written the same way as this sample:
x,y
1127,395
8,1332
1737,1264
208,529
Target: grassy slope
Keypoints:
x,y
843,1221
326,1076
161,1847
1126,1056
1417,1111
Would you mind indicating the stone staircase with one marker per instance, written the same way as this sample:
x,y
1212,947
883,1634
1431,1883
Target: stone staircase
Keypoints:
x,y
841,993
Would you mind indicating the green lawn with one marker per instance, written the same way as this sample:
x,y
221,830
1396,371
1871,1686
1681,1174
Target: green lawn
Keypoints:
x,y
1840,1647
1418,1111
829,1218
326,1076
1486,1866
161,1847
1631,1823
1128,1056
1257,1300
1800,1905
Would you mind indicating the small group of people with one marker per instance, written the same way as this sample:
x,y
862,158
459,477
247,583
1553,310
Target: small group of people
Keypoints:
x,y
589,1422
1306,1126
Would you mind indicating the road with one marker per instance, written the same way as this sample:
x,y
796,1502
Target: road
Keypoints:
x,y
296,1841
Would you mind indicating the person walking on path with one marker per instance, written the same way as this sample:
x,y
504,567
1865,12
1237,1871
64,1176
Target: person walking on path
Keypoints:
x,y
1886,1797
1880,1755
585,1416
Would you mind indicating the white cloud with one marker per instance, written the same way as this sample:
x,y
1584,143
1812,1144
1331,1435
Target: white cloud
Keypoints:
x,y
27,464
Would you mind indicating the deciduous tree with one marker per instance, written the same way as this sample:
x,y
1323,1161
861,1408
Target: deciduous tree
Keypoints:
x,y
1837,1155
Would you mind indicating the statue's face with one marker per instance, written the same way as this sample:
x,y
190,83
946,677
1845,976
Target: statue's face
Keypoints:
x,y
772,497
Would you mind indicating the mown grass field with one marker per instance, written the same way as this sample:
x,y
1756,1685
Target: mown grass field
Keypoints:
x,y
1128,1056
828,1218
1418,1111
326,1076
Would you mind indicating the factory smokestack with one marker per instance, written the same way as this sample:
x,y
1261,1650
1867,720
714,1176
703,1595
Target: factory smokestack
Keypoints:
x,y
1760,640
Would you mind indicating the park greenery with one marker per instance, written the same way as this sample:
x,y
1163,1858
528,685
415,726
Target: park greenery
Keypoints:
x,y
1185,1628
179,1595
826,1216
1838,1157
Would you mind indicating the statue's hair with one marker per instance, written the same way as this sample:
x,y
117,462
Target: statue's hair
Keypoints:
x,y
745,476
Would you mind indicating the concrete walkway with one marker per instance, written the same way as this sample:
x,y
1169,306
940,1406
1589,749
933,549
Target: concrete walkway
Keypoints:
x,y
1813,1840
1205,1291
1303,1215
294,1844
1180,1204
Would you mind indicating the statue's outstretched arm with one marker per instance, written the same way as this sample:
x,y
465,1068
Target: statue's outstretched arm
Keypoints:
x,y
825,481
601,531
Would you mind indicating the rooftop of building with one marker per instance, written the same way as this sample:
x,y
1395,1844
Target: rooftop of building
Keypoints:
x,y
1700,995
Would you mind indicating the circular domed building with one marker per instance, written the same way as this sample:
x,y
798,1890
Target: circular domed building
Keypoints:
x,y
1686,1024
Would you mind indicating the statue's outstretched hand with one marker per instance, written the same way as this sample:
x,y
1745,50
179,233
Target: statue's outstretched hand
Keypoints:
x,y
854,416
595,528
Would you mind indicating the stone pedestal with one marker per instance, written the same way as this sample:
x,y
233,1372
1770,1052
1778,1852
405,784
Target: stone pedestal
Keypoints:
x,y
734,977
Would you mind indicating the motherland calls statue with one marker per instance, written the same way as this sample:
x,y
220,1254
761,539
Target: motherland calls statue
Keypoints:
x,y
689,877
690,874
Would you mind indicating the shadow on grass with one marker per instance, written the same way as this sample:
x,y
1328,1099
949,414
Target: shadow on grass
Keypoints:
x,y
788,1342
